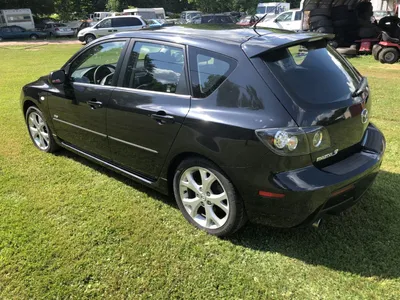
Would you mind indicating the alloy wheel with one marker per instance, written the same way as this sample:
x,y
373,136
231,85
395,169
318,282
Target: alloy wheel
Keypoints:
x,y
38,131
204,197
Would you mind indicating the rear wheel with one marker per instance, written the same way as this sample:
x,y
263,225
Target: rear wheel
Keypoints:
x,y
389,56
89,38
1,38
207,198
39,131
34,37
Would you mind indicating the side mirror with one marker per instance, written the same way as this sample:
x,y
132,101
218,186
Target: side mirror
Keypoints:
x,y
57,77
276,20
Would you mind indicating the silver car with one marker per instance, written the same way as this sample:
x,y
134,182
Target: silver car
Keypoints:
x,y
59,29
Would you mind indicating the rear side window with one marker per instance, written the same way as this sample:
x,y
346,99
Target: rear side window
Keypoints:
x,y
208,71
124,22
297,16
313,73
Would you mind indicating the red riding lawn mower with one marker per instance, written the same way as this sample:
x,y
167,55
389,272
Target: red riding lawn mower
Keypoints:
x,y
388,49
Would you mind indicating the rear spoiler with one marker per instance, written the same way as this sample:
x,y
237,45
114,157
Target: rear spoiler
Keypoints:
x,y
273,41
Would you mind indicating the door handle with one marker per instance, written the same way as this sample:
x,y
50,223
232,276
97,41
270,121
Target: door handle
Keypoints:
x,y
94,104
162,118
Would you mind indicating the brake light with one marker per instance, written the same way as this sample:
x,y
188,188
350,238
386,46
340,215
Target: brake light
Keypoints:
x,y
343,190
294,141
270,195
57,29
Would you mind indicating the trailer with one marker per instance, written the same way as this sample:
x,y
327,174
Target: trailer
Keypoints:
x,y
18,17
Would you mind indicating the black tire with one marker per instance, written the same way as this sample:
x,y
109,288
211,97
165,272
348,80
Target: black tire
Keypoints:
x,y
321,23
389,56
320,12
1,38
324,30
376,49
315,19
236,217
347,51
51,145
345,23
34,37
340,12
89,38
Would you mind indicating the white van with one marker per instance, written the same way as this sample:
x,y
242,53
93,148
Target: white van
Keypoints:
x,y
18,17
289,20
146,13
111,25
271,9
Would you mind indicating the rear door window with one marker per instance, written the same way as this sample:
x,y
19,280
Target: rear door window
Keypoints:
x,y
208,71
297,16
313,73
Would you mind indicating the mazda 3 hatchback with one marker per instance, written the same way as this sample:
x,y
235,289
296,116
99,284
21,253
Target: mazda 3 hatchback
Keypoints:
x,y
271,126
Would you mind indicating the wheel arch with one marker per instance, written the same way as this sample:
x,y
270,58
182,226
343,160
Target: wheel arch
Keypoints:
x,y
177,159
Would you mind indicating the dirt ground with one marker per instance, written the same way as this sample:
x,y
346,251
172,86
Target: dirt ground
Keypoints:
x,y
71,41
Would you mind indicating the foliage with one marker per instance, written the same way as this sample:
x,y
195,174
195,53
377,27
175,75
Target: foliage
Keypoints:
x,y
72,229
114,5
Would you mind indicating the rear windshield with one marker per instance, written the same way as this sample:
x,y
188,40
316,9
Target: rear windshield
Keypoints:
x,y
313,73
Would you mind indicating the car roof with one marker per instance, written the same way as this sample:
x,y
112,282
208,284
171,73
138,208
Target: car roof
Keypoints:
x,y
123,16
218,15
252,42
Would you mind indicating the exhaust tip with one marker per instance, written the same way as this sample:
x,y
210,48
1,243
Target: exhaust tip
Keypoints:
x,y
317,223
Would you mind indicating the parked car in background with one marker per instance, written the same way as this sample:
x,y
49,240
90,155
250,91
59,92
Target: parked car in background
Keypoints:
x,y
17,32
271,9
273,126
187,16
288,20
153,23
86,24
213,19
59,30
111,25
247,21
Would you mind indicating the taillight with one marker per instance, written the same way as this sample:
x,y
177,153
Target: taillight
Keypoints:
x,y
295,141
57,29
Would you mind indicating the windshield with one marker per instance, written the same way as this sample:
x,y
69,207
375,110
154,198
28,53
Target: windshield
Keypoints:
x,y
260,10
313,73
192,15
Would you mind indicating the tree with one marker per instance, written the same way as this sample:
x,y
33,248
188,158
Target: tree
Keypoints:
x,y
114,5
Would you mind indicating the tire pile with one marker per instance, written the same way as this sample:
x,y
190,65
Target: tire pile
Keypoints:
x,y
338,20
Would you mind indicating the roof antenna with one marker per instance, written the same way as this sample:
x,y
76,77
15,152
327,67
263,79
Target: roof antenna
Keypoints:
x,y
258,21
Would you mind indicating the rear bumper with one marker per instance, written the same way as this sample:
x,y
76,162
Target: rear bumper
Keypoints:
x,y
312,192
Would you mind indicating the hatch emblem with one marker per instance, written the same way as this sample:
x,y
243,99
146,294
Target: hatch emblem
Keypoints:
x,y
364,116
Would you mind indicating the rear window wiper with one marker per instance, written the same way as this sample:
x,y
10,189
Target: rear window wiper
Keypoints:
x,y
361,87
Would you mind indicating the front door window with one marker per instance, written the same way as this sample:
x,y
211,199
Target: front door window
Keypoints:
x,y
97,65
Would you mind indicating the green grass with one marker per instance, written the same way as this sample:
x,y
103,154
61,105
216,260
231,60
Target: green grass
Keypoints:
x,y
71,229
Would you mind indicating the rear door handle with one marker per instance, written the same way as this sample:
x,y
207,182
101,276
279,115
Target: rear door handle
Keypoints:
x,y
162,118
94,104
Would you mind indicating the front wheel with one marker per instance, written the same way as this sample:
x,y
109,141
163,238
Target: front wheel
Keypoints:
x,y
34,37
39,131
207,198
389,56
89,38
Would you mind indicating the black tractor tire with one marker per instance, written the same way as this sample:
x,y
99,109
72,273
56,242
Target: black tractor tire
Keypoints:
x,y
389,56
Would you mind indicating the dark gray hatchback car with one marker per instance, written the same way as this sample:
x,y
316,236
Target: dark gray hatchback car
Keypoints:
x,y
268,125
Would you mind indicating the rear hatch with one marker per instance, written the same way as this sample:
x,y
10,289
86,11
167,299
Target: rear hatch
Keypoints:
x,y
318,87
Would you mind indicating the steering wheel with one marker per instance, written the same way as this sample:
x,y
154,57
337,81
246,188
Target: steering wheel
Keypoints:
x,y
108,66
